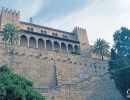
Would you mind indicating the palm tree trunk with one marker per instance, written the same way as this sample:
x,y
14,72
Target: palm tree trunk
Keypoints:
x,y
11,55
101,54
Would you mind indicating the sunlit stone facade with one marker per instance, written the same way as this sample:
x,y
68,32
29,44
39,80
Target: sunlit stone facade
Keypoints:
x,y
45,38
58,62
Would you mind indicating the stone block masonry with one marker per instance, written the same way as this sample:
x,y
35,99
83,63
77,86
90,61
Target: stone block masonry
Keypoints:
x,y
43,55
61,76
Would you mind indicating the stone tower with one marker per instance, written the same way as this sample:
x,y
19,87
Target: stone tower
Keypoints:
x,y
84,44
9,16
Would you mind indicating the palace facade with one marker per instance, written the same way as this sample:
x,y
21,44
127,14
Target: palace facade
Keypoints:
x,y
45,38
58,62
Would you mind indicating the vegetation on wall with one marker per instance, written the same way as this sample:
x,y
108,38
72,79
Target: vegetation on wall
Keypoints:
x,y
15,87
120,60
76,53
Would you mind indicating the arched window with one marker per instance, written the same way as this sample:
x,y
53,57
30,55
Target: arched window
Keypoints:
x,y
41,31
48,45
56,46
28,28
76,48
32,42
41,44
63,47
23,41
45,32
31,29
70,48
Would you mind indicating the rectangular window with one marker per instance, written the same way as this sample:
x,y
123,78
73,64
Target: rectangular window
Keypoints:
x,y
64,36
54,34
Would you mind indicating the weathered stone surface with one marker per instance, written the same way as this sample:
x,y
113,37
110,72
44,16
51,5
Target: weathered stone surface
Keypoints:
x,y
58,79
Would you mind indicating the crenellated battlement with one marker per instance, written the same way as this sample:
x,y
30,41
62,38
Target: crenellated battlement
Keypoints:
x,y
9,16
10,11
79,29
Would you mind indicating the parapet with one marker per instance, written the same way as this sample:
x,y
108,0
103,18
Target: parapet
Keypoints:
x,y
10,11
79,29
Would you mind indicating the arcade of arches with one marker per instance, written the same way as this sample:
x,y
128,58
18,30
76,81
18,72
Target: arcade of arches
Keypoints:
x,y
48,45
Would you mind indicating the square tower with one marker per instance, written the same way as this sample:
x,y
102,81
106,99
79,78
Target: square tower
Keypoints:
x,y
9,16
84,43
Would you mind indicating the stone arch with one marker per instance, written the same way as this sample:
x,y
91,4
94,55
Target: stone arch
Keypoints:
x,y
63,47
32,42
76,49
70,48
56,46
48,45
23,40
41,44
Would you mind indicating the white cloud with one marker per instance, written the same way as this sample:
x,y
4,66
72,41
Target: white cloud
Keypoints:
x,y
29,9
100,18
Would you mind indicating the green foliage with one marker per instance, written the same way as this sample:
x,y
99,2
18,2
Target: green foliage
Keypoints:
x,y
122,41
120,62
4,68
76,53
120,72
15,87
101,47
10,33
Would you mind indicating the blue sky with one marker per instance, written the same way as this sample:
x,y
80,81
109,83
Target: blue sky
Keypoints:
x,y
99,17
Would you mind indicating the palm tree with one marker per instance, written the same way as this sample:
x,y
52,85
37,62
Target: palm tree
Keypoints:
x,y
101,47
10,34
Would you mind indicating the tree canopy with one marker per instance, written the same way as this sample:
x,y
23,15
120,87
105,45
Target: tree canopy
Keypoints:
x,y
10,33
120,61
122,41
15,87
101,47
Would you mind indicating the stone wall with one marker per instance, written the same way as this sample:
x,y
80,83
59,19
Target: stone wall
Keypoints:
x,y
94,88
61,76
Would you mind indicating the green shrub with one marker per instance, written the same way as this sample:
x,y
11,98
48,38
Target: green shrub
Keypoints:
x,y
15,87
76,53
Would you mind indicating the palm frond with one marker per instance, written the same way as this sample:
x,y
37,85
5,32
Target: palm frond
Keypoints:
x,y
101,47
10,33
